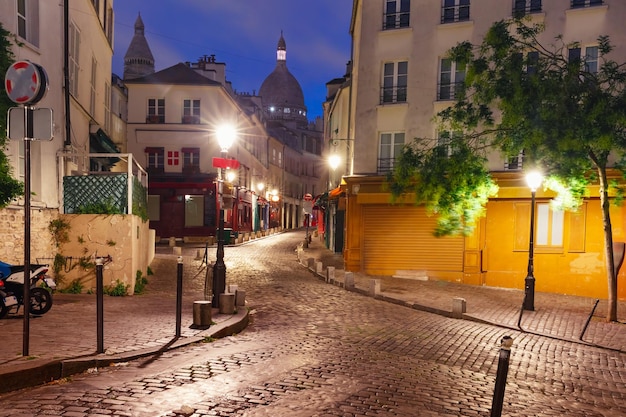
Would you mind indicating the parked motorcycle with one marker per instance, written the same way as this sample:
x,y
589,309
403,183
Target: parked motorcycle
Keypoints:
x,y
12,288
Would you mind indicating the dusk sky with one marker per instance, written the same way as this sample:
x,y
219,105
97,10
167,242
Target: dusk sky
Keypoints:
x,y
244,35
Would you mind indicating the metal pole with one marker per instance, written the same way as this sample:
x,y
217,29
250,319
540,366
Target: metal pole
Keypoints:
x,y
501,375
99,306
28,136
529,281
179,295
219,269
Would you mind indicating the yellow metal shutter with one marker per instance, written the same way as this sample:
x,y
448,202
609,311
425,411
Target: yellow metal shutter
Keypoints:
x,y
399,238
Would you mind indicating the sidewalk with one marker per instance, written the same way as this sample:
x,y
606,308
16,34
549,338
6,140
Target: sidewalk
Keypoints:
x,y
64,341
558,316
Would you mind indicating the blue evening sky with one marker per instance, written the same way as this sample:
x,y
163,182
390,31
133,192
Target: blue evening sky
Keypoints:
x,y
244,35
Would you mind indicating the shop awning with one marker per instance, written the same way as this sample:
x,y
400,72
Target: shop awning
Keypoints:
x,y
335,193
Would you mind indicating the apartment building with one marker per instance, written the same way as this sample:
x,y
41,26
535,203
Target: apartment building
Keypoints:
x,y
80,111
401,78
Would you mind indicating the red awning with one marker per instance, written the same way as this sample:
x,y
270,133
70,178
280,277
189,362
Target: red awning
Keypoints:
x,y
335,193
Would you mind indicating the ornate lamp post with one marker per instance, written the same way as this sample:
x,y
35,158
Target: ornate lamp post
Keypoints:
x,y
533,179
225,137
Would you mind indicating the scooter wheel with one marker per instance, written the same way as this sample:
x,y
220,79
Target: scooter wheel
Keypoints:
x,y
3,309
40,301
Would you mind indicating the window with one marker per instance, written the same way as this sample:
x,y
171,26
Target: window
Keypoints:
x,y
514,162
154,207
194,210
191,158
590,59
451,79
173,158
191,111
455,11
549,226
576,4
107,107
156,110
74,58
395,76
446,140
28,21
524,7
391,145
155,158
396,14
92,85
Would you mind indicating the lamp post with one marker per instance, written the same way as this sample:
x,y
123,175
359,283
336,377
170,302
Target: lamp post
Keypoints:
x,y
533,179
225,137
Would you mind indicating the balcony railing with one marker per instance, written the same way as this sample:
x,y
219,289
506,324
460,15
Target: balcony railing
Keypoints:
x,y
396,20
392,95
578,4
450,91
385,165
155,118
524,7
459,13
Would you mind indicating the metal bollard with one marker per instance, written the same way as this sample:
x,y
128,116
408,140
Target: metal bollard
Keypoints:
x,y
99,306
179,296
503,370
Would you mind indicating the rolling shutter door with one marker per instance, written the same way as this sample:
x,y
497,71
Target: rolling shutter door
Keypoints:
x,y
401,238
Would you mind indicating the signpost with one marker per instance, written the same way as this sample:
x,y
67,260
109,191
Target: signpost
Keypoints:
x,y
26,83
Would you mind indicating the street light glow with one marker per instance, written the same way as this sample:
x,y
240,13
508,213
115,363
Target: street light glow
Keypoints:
x,y
226,135
534,179
334,160
231,175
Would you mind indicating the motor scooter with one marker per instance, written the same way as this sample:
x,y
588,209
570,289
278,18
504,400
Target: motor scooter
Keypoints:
x,y
12,288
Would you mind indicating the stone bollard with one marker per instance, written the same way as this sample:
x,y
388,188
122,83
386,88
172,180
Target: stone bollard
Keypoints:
x,y
240,298
330,274
201,313
319,268
348,281
227,303
458,307
374,288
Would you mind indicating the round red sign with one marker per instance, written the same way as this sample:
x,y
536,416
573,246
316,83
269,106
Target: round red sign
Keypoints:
x,y
25,82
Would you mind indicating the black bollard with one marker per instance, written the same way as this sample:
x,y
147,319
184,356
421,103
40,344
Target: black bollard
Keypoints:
x,y
503,370
179,295
99,306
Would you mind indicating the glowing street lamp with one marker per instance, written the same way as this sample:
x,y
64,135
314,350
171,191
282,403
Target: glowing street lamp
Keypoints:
x,y
226,135
533,179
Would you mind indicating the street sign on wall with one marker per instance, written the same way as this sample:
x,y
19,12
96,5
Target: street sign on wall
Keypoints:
x,y
25,82
42,123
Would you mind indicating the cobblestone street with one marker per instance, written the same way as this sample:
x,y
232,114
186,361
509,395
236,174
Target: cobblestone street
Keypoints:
x,y
313,349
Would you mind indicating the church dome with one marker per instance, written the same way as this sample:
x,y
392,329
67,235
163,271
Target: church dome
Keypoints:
x,y
280,92
138,61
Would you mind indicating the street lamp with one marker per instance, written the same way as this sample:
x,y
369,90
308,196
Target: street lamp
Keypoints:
x,y
533,179
333,161
226,135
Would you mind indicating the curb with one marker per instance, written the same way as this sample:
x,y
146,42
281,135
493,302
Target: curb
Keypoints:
x,y
25,377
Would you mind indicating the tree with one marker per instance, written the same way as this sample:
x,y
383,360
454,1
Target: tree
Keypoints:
x,y
564,111
10,188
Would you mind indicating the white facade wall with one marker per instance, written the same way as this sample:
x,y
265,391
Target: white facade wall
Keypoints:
x,y
425,41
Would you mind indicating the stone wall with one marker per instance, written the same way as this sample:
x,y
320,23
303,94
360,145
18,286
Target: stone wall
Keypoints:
x,y
42,248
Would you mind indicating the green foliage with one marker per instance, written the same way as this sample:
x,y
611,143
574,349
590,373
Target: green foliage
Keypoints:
x,y
59,229
150,271
450,179
75,287
10,188
567,116
119,289
111,242
140,282
140,200
100,207
86,262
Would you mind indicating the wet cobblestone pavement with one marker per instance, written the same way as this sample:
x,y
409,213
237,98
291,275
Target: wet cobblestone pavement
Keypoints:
x,y
313,349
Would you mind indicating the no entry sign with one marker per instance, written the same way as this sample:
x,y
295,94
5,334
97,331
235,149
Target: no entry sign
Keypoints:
x,y
25,82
